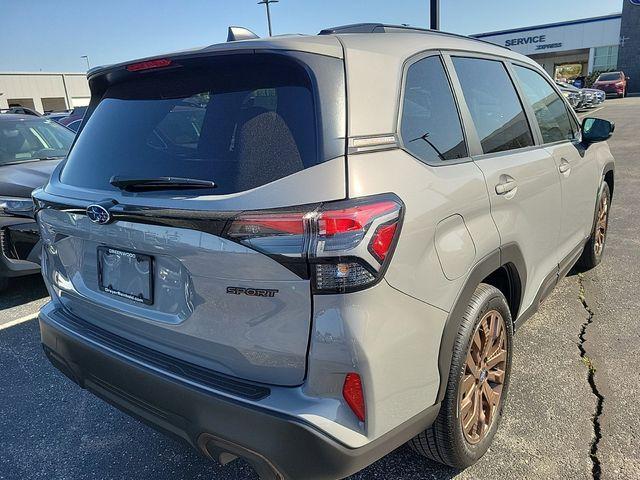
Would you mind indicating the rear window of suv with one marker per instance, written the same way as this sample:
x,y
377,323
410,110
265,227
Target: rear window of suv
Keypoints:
x,y
241,121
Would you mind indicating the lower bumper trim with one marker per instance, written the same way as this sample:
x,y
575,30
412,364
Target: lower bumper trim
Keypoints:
x,y
277,445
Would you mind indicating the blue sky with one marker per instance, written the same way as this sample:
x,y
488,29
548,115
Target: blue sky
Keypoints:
x,y
51,35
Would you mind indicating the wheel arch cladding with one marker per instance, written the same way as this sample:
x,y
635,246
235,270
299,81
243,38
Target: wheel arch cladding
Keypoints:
x,y
504,266
608,176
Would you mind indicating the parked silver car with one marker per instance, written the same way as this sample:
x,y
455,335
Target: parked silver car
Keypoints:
x,y
587,97
599,96
574,98
309,250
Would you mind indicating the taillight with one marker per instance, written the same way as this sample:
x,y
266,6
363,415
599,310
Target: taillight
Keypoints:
x,y
353,394
342,246
382,240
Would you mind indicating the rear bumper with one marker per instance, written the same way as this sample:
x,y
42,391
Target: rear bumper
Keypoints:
x,y
19,247
277,445
612,90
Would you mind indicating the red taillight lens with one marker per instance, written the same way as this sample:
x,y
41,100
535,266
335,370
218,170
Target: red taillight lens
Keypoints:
x,y
332,222
148,65
353,394
382,240
341,245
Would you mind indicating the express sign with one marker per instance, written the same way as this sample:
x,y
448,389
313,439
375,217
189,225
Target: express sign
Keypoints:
x,y
539,40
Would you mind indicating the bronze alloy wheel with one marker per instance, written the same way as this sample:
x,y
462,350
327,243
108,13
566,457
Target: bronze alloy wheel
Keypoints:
x,y
601,225
483,378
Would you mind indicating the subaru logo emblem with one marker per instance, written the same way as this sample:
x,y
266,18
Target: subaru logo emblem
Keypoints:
x,y
98,214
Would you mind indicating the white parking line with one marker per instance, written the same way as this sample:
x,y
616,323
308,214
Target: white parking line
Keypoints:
x,y
589,112
17,321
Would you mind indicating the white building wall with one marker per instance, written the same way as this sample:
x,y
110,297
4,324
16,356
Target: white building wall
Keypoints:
x,y
557,38
37,85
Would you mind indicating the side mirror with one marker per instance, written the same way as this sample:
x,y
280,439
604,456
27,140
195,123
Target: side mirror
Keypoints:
x,y
596,130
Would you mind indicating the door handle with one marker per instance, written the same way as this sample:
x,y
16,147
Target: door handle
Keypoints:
x,y
565,166
506,186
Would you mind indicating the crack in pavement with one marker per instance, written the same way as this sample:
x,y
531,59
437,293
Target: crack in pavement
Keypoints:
x,y
596,469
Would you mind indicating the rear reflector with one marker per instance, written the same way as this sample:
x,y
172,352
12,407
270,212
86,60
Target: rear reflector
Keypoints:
x,y
353,395
148,65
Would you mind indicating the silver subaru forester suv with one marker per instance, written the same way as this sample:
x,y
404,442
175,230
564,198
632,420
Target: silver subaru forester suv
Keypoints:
x,y
308,250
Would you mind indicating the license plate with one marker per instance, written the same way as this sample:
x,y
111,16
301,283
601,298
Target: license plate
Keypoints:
x,y
126,274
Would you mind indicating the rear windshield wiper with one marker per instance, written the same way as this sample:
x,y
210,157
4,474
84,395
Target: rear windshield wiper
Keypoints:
x,y
159,183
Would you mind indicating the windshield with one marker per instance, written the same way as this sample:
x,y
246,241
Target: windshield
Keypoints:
x,y
23,140
607,77
239,122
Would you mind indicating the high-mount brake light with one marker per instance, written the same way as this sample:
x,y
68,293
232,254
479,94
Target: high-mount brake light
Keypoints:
x,y
150,64
342,246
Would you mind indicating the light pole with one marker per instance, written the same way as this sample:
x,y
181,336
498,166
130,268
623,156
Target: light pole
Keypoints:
x,y
434,15
86,57
266,4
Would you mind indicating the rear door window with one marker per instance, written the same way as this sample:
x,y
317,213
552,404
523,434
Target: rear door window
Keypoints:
x,y
239,122
430,125
494,104
550,110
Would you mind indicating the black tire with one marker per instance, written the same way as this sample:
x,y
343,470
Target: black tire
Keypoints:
x,y
4,283
592,256
445,441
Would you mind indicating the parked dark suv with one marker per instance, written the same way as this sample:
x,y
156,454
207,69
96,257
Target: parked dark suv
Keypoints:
x,y
30,148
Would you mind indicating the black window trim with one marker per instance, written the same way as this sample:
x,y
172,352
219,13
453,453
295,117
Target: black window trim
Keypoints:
x,y
405,68
573,118
475,148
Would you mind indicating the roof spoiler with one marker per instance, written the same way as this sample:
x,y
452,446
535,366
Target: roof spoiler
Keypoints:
x,y
240,33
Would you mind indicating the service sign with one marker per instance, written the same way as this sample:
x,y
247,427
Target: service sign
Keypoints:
x,y
539,42
573,35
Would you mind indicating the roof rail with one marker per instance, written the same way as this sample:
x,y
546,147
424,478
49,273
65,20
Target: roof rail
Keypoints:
x,y
387,28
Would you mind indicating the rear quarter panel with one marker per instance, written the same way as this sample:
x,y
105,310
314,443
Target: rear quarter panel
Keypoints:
x,y
430,194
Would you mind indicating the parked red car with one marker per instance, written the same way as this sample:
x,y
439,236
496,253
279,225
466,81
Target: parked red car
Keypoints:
x,y
612,83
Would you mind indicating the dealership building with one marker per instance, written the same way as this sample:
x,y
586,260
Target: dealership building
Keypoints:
x,y
579,47
42,91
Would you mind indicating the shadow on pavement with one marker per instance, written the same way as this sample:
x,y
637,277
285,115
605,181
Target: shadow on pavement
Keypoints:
x,y
22,290
52,429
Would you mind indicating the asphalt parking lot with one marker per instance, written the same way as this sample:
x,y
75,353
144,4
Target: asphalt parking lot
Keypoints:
x,y
573,407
